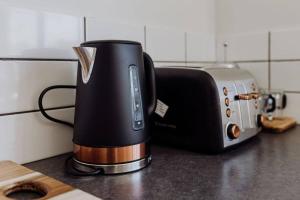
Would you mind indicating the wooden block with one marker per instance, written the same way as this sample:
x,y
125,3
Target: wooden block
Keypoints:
x,y
14,177
279,124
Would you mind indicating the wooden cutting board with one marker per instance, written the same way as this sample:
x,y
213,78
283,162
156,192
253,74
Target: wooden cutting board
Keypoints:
x,y
14,177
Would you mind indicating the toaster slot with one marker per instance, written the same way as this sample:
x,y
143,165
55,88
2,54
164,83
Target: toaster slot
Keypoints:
x,y
253,104
244,105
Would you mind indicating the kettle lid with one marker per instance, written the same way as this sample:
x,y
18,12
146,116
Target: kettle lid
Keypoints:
x,y
96,43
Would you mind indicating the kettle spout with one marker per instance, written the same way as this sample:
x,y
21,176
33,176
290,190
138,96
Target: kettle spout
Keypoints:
x,y
86,56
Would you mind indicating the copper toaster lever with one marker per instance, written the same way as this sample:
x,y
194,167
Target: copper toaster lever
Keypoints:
x,y
243,97
255,95
249,96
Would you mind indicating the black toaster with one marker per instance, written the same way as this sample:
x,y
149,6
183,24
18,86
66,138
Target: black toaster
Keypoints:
x,y
205,109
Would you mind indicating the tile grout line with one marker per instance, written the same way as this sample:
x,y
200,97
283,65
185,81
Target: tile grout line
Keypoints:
x,y
36,110
247,61
145,38
285,60
84,29
166,61
185,47
269,60
292,92
162,61
39,59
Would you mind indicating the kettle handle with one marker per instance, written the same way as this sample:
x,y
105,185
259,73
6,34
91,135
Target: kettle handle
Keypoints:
x,y
150,78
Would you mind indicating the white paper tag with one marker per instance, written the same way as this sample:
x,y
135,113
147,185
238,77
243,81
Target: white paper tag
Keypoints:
x,y
161,108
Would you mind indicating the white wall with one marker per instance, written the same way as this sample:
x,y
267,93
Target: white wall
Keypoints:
x,y
259,30
36,53
239,16
191,15
196,18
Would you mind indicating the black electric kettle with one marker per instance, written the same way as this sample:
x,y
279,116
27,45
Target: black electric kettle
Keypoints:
x,y
115,97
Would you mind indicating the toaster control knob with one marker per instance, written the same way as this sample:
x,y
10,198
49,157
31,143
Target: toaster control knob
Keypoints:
x,y
228,112
227,101
225,91
233,131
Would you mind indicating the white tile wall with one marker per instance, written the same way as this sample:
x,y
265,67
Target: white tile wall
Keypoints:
x,y
285,44
27,34
259,71
293,108
200,47
98,29
23,81
32,34
285,75
244,47
29,137
165,44
220,55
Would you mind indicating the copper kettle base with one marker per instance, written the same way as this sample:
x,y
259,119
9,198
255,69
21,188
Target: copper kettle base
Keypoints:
x,y
112,160
113,168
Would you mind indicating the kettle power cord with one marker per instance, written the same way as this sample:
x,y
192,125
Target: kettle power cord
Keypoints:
x,y
69,166
42,107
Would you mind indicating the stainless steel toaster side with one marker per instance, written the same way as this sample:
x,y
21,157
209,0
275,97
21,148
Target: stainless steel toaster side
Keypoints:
x,y
240,109
209,108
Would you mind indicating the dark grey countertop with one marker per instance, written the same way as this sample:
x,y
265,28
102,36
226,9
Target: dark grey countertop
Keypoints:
x,y
266,167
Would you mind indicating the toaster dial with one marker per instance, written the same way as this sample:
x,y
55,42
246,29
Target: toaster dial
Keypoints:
x,y
233,131
228,112
225,91
227,101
